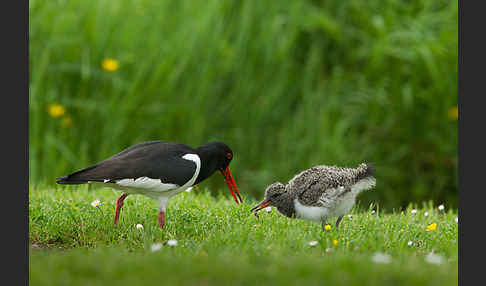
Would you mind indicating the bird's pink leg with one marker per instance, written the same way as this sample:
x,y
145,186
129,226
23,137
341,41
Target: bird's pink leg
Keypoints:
x,y
161,219
119,204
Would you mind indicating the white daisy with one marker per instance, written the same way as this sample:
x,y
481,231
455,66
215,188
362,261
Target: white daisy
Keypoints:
x,y
410,243
426,214
96,203
380,257
268,209
414,211
172,242
313,243
139,226
156,247
373,211
441,207
433,258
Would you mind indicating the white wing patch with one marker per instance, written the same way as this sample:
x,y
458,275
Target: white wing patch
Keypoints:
x,y
154,185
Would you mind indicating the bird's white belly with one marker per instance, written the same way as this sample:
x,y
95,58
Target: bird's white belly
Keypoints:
x,y
339,208
153,188
310,213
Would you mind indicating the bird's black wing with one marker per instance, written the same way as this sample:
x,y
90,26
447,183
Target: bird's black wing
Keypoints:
x,y
154,159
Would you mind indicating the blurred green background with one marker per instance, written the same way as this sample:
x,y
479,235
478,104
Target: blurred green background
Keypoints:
x,y
286,84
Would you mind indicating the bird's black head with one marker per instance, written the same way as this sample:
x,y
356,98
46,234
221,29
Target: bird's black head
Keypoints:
x,y
218,153
217,156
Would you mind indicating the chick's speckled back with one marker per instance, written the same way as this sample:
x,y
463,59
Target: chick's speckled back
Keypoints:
x,y
328,177
322,181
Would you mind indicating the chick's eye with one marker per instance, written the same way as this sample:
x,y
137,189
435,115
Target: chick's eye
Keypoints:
x,y
229,156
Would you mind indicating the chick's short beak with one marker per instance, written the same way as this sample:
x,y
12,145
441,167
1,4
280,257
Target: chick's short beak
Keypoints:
x,y
260,206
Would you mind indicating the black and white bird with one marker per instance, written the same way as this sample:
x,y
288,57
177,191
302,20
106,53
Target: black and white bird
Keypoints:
x,y
159,170
319,192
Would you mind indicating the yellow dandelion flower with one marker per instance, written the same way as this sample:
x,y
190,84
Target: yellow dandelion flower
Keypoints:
x,y
56,110
432,227
453,113
110,65
335,242
66,122
327,227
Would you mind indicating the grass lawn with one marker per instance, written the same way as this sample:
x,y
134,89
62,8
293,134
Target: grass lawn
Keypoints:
x,y
220,243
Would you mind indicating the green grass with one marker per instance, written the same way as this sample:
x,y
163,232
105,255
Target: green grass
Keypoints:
x,y
286,84
219,243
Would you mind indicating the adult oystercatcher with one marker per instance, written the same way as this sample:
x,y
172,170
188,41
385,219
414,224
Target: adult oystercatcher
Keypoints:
x,y
158,170
319,192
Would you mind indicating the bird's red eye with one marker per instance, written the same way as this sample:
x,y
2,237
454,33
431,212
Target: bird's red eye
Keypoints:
x,y
229,156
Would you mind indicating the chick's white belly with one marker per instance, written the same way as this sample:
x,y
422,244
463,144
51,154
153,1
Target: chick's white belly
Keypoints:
x,y
338,208
310,213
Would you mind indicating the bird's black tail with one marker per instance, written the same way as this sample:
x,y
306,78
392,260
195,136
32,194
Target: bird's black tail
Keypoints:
x,y
67,181
76,178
